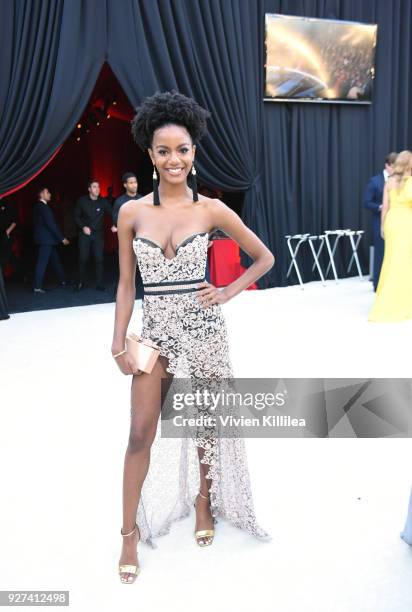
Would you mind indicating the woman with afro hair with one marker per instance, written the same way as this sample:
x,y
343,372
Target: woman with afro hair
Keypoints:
x,y
166,233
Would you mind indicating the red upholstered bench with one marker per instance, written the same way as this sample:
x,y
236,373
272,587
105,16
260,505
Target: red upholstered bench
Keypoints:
x,y
224,262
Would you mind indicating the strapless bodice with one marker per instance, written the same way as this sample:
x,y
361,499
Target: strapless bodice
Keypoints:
x,y
188,264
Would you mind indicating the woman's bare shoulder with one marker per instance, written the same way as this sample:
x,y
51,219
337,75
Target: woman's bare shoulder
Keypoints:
x,y
219,210
213,204
221,216
129,208
213,207
143,202
130,212
146,199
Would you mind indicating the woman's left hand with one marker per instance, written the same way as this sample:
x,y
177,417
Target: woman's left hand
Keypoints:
x,y
208,294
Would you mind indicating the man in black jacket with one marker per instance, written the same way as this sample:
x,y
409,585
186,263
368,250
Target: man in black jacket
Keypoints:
x,y
47,235
89,217
129,182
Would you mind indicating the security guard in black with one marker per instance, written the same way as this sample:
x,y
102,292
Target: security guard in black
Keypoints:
x,y
89,217
90,213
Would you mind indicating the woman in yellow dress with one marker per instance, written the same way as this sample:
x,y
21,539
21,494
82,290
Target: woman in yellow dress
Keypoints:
x,y
393,301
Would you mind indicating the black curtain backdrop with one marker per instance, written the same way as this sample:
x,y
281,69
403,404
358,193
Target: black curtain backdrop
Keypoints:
x,y
319,157
303,167
52,53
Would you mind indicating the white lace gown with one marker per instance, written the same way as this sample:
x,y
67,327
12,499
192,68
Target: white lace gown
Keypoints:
x,y
194,339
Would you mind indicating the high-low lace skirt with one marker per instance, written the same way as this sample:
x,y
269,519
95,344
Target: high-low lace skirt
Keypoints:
x,y
194,340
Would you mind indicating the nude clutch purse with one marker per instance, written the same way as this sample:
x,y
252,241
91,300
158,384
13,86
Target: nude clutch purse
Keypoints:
x,y
143,350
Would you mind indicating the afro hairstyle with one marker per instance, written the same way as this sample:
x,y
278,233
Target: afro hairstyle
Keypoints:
x,y
169,107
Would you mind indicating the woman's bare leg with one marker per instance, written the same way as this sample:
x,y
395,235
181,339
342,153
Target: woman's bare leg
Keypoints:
x,y
145,411
204,518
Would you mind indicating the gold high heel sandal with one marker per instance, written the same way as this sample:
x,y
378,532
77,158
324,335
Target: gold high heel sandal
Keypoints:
x,y
204,534
129,569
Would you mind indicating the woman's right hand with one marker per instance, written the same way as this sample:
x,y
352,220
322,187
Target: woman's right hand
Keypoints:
x,y
127,364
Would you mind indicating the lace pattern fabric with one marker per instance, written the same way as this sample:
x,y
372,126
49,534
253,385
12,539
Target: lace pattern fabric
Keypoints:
x,y
194,340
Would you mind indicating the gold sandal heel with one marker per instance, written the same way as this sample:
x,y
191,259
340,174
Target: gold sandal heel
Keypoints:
x,y
128,568
201,534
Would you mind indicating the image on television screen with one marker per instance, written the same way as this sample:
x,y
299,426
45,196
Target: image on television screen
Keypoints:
x,y
319,60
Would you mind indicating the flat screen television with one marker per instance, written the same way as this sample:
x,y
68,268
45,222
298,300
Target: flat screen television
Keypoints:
x,y
318,60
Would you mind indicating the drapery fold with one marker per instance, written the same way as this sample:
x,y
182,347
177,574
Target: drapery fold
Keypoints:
x,y
51,56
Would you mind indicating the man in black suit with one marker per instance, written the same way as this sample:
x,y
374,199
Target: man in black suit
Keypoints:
x,y
373,201
47,235
129,182
89,217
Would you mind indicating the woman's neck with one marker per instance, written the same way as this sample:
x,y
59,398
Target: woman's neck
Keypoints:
x,y
173,194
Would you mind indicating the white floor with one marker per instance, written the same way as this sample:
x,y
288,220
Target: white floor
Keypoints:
x,y
334,507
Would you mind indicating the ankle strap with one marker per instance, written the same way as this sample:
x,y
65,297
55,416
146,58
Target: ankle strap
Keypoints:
x,y
130,533
204,496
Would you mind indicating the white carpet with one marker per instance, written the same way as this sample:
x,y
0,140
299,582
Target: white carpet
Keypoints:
x,y
334,507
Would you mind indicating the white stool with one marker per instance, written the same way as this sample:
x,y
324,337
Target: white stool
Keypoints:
x,y
301,238
337,235
294,249
317,253
354,244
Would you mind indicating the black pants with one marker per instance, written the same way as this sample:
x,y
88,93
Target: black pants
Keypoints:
x,y
94,242
379,248
47,252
